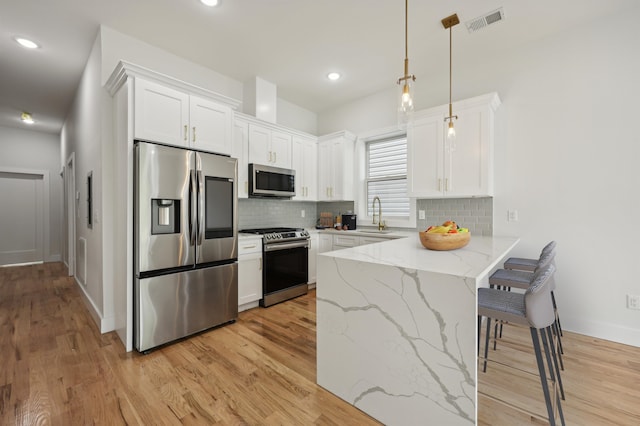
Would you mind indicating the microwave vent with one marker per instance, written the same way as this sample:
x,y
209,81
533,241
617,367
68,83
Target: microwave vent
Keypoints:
x,y
485,20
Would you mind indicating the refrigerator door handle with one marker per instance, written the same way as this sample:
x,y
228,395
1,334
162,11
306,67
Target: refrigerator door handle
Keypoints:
x,y
201,211
193,211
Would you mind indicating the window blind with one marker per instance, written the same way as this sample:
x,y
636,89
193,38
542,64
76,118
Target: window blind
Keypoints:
x,y
387,176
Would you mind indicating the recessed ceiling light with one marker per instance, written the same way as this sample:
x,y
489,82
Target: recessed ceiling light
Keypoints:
x,y
25,42
210,3
333,76
26,117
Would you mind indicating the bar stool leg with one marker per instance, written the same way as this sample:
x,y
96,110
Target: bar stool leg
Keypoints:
x,y
486,344
555,358
543,375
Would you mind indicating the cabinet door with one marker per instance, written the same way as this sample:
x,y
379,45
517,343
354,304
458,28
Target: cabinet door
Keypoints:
x,y
342,157
281,149
304,160
161,114
241,152
469,165
210,126
249,278
425,162
325,171
326,243
313,253
260,145
310,170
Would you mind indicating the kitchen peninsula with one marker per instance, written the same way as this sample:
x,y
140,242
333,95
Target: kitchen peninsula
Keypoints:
x,y
396,327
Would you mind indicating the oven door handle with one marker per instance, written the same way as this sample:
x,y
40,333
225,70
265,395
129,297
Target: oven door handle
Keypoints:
x,y
283,246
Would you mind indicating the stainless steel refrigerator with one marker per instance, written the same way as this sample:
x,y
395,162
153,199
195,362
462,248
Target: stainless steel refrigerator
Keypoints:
x,y
185,243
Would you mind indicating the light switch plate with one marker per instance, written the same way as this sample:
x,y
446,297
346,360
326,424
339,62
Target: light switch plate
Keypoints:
x,y
421,214
512,215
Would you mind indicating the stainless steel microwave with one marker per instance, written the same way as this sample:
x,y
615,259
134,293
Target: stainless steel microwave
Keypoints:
x,y
273,182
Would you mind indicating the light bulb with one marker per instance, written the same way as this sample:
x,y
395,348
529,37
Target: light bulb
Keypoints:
x,y
451,136
405,109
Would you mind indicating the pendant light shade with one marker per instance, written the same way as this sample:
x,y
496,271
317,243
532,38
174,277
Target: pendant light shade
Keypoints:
x,y
405,109
448,23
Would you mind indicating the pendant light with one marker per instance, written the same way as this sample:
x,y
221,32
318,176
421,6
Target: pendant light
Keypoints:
x,y
405,109
448,23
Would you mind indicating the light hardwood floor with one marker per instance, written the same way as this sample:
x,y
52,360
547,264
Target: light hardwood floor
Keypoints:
x,y
58,369
601,382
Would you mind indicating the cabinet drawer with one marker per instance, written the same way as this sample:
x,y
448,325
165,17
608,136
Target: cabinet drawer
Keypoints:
x,y
249,245
346,240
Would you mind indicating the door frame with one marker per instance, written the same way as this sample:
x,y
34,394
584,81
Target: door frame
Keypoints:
x,y
70,204
45,204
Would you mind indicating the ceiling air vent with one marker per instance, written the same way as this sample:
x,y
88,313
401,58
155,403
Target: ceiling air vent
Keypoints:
x,y
485,20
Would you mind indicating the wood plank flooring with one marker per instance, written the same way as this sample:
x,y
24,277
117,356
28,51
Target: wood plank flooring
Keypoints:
x,y
56,368
601,382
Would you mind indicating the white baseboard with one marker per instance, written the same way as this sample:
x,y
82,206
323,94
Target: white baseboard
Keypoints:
x,y
56,258
104,324
605,331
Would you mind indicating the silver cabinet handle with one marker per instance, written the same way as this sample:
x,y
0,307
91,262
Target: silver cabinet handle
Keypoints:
x,y
260,267
249,247
275,157
194,133
246,186
186,131
270,156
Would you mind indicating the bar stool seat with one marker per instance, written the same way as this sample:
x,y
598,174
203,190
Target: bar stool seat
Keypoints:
x,y
525,264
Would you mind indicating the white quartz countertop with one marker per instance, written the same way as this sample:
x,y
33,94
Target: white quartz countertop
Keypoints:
x,y
474,260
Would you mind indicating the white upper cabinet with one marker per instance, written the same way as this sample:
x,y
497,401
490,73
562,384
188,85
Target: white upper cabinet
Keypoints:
x,y
335,167
240,150
164,114
269,147
305,163
437,171
161,114
210,126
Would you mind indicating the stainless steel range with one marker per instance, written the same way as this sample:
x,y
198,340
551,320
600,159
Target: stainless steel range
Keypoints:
x,y
285,254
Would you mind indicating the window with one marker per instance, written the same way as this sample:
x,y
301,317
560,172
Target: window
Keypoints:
x,y
386,176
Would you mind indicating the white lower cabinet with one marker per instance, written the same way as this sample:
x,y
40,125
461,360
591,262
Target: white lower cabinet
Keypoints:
x,y
314,246
345,241
325,243
249,273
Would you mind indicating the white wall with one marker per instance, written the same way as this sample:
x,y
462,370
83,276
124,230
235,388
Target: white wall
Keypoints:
x,y
28,149
82,135
566,159
295,117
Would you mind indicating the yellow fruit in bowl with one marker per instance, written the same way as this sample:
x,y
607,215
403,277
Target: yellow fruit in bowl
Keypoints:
x,y
438,229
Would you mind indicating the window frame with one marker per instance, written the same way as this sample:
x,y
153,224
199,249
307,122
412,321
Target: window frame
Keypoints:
x,y
365,219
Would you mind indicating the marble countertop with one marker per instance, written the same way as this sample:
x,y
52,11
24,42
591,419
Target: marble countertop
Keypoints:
x,y
475,260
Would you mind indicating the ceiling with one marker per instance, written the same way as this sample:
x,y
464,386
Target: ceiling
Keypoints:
x,y
291,43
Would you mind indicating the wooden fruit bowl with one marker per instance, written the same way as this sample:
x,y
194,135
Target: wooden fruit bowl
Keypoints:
x,y
434,241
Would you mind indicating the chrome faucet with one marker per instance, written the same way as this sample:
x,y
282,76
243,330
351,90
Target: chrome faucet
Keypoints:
x,y
381,224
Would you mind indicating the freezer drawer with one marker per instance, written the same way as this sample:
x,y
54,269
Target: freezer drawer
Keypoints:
x,y
173,306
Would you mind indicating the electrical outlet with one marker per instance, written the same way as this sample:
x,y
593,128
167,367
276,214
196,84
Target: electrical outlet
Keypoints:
x,y
512,215
633,301
421,214
301,213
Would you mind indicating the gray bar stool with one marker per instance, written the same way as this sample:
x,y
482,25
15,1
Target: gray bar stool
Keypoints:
x,y
534,309
525,264
507,278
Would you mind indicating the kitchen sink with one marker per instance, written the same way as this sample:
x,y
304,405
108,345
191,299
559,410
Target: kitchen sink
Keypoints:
x,y
374,231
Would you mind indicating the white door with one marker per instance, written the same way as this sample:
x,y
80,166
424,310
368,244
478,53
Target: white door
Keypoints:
x,y
21,218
